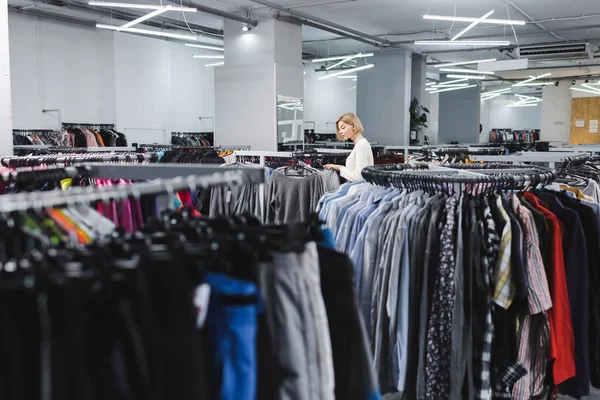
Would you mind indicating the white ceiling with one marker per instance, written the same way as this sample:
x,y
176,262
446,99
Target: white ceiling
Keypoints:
x,y
401,21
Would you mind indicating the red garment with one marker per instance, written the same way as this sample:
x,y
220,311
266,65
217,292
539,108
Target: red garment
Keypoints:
x,y
186,200
562,341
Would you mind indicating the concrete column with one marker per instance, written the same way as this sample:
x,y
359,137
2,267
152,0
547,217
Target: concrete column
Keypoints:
x,y
418,77
259,65
460,116
383,98
417,85
6,148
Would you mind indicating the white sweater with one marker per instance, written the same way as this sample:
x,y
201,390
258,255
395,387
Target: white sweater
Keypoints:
x,y
361,157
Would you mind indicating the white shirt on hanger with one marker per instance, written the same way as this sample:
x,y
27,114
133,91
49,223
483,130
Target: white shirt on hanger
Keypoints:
x,y
360,157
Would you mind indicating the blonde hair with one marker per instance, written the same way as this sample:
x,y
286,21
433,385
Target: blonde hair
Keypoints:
x,y
349,119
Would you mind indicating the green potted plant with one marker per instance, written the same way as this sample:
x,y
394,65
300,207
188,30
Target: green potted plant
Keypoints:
x,y
418,119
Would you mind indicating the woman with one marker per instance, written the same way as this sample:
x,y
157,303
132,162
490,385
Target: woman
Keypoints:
x,y
350,127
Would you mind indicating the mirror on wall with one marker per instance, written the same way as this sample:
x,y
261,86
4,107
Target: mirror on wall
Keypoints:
x,y
290,120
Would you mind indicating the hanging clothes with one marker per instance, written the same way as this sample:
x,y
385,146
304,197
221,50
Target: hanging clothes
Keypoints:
x,y
473,295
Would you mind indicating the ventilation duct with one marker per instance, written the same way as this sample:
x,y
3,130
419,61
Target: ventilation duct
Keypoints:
x,y
557,51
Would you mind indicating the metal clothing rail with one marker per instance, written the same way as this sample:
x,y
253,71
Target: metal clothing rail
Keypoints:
x,y
529,156
73,149
432,178
31,161
203,177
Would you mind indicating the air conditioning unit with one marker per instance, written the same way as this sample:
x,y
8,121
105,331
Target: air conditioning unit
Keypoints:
x,y
557,51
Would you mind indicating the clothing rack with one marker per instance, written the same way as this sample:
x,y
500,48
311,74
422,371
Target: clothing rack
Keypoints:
x,y
30,161
431,178
23,131
530,156
48,148
42,175
66,125
203,176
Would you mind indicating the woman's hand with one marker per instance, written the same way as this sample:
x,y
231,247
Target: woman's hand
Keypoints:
x,y
333,167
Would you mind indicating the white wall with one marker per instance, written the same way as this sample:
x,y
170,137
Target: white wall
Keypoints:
x,y
501,116
556,113
327,99
148,87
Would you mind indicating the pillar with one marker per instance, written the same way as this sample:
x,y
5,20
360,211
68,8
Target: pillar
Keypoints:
x,y
383,98
5,93
460,116
418,79
260,64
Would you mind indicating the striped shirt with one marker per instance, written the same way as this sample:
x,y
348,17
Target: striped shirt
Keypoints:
x,y
504,286
534,338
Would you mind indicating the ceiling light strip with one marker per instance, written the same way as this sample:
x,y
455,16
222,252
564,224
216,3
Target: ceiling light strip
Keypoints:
x,y
347,77
499,91
347,71
523,105
464,63
140,6
144,18
467,71
462,43
146,32
588,86
472,25
490,97
526,82
203,56
451,89
586,90
345,60
470,19
476,77
202,46
454,81
334,58
217,64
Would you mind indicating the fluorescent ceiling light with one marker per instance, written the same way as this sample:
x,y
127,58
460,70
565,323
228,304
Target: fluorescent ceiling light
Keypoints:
x,y
484,98
453,88
464,63
217,64
140,6
476,77
352,88
430,88
203,46
472,25
208,57
345,60
498,91
144,17
462,42
451,85
146,32
532,78
586,90
469,19
588,86
522,105
347,77
334,58
454,81
430,83
466,71
347,71
535,84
